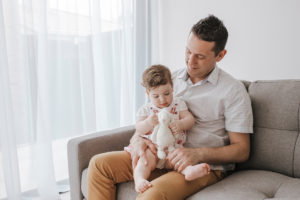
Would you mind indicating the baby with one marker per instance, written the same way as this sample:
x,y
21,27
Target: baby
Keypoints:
x,y
159,89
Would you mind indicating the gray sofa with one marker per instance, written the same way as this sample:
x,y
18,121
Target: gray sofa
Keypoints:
x,y
272,172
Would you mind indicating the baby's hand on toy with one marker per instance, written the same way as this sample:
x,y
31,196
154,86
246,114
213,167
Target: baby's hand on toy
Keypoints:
x,y
152,119
175,127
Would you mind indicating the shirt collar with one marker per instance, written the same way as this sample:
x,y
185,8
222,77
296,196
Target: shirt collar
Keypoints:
x,y
183,75
212,77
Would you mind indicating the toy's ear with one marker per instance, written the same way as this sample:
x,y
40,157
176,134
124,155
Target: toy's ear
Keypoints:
x,y
170,117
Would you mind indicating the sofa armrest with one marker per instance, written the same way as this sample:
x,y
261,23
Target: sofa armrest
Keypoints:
x,y
82,149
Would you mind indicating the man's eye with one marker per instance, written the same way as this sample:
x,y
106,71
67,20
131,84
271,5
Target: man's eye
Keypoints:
x,y
167,94
155,97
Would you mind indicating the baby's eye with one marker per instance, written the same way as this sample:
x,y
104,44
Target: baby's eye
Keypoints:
x,y
155,97
167,94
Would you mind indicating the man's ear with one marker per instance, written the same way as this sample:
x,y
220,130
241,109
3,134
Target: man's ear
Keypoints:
x,y
221,55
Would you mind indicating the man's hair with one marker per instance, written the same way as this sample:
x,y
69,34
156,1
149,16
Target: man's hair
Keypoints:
x,y
211,29
156,75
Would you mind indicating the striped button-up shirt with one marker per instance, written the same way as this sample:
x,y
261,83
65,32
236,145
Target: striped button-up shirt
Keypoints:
x,y
219,104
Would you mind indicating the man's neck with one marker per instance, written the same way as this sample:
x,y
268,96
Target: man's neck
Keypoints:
x,y
198,79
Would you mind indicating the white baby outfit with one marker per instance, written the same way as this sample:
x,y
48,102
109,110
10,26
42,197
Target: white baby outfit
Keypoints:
x,y
174,108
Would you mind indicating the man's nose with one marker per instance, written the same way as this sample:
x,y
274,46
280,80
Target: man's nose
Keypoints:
x,y
192,59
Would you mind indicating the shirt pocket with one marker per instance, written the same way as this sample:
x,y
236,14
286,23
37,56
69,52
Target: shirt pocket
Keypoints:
x,y
207,109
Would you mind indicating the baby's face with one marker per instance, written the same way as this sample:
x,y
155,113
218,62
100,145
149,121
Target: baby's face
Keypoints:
x,y
161,96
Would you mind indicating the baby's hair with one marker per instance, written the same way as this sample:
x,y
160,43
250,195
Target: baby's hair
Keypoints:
x,y
156,75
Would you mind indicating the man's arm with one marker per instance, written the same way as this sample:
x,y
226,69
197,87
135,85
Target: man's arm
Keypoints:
x,y
237,151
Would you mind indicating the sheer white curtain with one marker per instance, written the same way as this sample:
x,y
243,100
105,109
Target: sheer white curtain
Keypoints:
x,y
67,67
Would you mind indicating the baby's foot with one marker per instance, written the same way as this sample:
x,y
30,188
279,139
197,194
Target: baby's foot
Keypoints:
x,y
196,171
142,185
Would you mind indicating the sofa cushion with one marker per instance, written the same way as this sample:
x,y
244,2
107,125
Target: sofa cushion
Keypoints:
x,y
252,184
273,150
275,143
84,183
125,190
276,103
297,156
248,184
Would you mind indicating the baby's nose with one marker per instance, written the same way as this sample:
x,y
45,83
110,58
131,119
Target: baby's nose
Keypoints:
x,y
162,100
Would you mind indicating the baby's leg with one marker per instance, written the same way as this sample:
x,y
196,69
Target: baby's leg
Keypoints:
x,y
196,171
142,172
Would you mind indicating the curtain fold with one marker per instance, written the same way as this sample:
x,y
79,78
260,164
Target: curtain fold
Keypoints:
x,y
67,68
7,140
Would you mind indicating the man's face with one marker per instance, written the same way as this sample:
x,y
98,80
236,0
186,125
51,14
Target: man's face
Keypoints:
x,y
200,57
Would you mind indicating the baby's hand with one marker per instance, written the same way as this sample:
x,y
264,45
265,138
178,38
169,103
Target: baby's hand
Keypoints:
x,y
175,127
152,119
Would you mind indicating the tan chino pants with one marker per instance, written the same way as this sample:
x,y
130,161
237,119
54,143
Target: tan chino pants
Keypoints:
x,y
107,169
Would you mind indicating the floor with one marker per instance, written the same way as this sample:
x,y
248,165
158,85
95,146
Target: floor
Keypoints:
x,y
26,180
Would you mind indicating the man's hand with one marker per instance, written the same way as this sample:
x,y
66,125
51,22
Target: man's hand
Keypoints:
x,y
139,146
182,157
175,127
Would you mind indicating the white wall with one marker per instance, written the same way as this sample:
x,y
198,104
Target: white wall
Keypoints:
x,y
264,35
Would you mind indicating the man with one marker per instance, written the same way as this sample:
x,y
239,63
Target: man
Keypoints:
x,y
220,136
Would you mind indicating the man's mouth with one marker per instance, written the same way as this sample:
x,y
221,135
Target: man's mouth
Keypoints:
x,y
192,68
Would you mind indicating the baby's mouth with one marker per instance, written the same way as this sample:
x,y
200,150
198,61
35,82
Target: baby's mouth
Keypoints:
x,y
164,105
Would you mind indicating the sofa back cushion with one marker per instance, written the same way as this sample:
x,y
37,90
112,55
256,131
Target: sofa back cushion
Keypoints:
x,y
275,144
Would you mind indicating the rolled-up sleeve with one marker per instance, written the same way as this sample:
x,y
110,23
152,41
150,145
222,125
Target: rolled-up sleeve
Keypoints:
x,y
238,111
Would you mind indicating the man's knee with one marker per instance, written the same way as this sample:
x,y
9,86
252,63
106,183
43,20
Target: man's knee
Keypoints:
x,y
101,163
152,193
111,164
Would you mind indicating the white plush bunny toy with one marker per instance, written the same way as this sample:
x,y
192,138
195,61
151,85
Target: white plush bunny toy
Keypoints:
x,y
162,135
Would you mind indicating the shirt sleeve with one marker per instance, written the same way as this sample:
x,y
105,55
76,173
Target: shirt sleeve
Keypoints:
x,y
143,111
238,111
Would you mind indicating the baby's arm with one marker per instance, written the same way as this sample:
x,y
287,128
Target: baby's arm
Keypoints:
x,y
146,124
185,122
